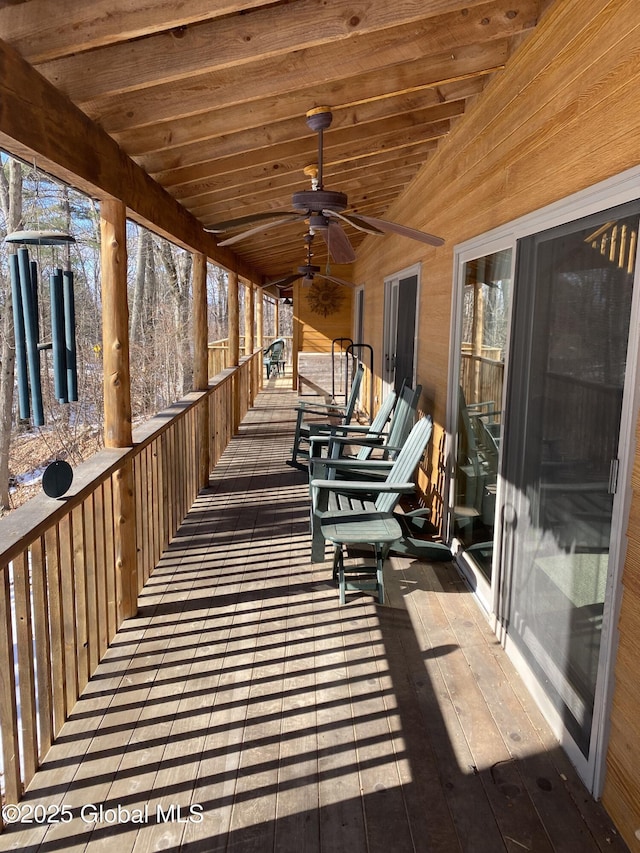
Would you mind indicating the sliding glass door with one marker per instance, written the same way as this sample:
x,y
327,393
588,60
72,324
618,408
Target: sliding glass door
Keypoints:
x,y
567,369
542,415
486,297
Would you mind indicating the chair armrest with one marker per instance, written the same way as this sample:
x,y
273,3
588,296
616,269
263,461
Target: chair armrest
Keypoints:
x,y
374,440
422,512
359,486
364,465
360,429
320,432
319,408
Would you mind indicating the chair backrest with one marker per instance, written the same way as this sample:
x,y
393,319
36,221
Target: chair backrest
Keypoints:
x,y
277,348
404,417
277,342
378,423
353,394
407,461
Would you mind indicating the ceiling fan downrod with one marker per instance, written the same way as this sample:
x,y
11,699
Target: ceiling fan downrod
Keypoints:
x,y
318,120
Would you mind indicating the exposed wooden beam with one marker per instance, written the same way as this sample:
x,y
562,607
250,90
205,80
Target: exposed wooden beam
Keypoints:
x,y
175,135
270,33
40,33
341,176
380,113
38,123
321,68
291,159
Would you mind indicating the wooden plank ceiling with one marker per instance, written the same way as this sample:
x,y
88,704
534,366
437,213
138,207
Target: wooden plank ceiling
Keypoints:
x,y
210,96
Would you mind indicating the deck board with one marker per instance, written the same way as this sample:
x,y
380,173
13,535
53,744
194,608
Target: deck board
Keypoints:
x,y
243,688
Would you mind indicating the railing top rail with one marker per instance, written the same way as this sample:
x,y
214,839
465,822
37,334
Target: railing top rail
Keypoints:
x,y
23,526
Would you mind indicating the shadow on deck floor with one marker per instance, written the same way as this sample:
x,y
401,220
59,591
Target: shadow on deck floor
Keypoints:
x,y
243,709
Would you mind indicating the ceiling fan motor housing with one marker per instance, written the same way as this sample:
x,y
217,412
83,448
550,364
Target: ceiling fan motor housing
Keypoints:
x,y
319,118
316,201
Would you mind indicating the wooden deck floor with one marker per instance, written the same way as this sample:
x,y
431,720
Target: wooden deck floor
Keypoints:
x,y
244,710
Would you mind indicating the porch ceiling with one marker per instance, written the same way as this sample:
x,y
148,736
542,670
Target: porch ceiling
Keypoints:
x,y
210,98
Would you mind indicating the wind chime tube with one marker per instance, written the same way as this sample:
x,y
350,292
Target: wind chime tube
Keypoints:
x,y
21,352
33,269
58,337
70,335
31,337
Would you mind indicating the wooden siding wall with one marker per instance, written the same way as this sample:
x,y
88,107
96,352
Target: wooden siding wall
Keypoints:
x,y
61,557
317,331
562,117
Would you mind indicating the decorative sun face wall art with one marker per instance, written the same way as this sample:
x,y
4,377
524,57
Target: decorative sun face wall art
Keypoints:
x,y
325,298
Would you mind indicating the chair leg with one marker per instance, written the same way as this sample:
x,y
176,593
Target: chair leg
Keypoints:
x,y
296,439
379,573
317,542
342,585
337,552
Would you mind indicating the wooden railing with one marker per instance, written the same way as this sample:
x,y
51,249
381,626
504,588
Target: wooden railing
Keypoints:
x,y
218,352
59,606
482,379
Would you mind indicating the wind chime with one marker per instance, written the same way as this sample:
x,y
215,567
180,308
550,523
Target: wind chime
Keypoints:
x,y
24,289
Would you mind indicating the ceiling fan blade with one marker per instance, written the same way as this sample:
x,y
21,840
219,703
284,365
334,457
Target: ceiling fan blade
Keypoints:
x,y
338,244
335,280
231,224
404,230
284,281
353,219
264,226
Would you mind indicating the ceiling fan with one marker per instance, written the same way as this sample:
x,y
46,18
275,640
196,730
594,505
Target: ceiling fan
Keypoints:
x,y
323,209
308,272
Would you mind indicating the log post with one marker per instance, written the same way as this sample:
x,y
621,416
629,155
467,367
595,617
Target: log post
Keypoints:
x,y
200,363
249,337
297,334
233,310
259,330
249,319
259,318
117,396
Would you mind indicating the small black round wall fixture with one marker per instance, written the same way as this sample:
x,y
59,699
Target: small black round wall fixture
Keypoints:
x,y
57,478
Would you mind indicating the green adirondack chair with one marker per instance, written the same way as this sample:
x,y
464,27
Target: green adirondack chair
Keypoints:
x,y
373,432
342,416
361,513
387,445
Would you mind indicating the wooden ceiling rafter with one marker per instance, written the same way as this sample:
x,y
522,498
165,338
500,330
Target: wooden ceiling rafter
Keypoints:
x,y
209,100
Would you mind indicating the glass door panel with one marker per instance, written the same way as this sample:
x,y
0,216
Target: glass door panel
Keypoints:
x,y
485,314
566,379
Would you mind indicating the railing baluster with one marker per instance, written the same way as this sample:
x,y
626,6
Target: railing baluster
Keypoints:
x,y
110,559
58,668
80,593
8,705
26,671
93,644
69,631
41,627
101,570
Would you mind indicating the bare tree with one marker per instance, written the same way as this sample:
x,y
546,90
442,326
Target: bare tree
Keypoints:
x,y
140,286
178,267
11,201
